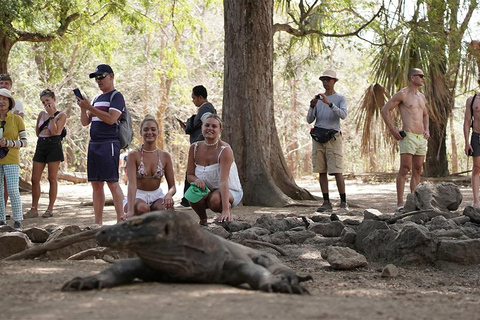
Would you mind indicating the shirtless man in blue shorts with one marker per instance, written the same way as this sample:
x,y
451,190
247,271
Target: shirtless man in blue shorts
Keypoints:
x,y
414,133
104,147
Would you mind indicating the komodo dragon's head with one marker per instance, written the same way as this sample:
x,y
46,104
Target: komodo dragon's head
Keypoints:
x,y
146,229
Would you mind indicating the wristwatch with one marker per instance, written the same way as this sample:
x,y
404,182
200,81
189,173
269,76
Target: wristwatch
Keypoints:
x,y
330,105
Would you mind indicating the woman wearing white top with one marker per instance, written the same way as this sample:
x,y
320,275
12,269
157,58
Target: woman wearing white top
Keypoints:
x,y
211,163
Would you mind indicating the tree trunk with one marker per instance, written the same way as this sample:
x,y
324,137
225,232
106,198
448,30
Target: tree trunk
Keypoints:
x,y
248,105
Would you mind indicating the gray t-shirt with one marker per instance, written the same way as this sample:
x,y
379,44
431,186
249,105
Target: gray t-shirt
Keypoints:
x,y
326,117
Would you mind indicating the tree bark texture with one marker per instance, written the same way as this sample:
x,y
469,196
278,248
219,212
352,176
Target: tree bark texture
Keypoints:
x,y
248,113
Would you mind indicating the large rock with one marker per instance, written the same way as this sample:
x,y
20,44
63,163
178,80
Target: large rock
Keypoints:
x,y
37,235
274,225
444,196
459,251
366,228
473,213
13,242
332,229
342,258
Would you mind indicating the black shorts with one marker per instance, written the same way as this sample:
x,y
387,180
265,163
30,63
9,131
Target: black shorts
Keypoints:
x,y
475,143
49,150
103,161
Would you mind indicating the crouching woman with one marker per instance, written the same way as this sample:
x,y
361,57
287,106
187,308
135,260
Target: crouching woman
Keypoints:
x,y
211,164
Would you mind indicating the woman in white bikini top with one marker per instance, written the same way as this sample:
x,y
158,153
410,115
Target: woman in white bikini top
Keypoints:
x,y
211,163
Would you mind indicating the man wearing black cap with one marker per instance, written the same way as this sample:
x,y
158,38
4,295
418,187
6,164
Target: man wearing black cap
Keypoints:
x,y
104,148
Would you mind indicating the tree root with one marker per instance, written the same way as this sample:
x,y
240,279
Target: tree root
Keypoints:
x,y
411,213
53,245
266,244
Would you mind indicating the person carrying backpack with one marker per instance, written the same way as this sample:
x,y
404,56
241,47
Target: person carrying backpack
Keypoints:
x,y
104,147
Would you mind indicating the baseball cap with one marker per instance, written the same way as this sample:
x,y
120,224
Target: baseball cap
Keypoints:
x,y
329,74
6,93
101,69
195,194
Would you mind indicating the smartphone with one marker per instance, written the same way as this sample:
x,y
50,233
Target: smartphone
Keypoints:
x,y
181,122
403,134
77,93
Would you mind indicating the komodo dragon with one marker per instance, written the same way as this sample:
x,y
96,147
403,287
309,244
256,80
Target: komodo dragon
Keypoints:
x,y
172,247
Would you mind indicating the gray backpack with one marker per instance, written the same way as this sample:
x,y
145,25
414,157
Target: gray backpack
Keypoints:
x,y
124,125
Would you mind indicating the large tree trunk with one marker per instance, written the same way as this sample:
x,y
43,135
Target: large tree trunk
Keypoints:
x,y
248,110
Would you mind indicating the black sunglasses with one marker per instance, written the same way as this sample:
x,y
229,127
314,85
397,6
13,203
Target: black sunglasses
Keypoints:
x,y
419,75
103,76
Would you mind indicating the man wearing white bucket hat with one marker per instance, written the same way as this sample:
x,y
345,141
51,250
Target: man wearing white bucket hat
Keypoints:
x,y
327,109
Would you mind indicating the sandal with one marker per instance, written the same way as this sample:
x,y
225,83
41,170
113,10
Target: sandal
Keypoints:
x,y
203,222
47,214
30,214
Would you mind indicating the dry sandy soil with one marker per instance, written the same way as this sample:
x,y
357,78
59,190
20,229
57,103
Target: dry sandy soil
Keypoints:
x,y
31,289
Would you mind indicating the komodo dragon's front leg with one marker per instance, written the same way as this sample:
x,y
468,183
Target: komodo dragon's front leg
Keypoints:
x,y
236,272
121,272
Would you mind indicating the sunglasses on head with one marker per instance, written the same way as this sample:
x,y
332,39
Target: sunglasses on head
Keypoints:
x,y
419,75
101,77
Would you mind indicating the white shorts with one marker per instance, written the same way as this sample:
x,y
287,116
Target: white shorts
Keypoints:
x,y
237,196
148,196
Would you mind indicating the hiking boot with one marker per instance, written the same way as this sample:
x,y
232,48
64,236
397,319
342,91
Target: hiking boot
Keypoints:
x,y
343,205
326,206
17,225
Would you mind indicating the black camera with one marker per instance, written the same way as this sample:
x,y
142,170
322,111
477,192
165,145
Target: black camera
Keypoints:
x,y
318,97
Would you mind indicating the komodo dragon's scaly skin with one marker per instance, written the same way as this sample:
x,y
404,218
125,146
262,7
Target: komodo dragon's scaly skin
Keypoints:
x,y
172,247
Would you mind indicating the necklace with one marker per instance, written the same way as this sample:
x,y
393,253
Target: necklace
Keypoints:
x,y
211,144
148,151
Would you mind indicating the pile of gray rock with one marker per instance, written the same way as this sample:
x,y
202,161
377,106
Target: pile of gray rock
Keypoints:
x,y
429,231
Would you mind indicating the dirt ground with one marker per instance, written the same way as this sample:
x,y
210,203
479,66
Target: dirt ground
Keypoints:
x,y
31,289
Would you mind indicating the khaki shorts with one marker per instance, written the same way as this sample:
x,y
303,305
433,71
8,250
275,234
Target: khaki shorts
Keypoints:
x,y
413,143
328,157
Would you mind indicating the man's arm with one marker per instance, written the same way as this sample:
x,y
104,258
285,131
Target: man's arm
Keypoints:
x,y
466,125
393,103
109,117
426,121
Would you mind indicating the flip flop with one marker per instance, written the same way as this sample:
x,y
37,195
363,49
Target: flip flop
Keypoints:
x,y
30,214
47,214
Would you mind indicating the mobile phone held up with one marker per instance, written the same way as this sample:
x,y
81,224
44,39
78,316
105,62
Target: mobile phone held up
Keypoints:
x,y
77,93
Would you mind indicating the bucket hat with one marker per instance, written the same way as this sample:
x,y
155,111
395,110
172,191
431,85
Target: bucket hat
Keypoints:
x,y
195,194
6,93
328,74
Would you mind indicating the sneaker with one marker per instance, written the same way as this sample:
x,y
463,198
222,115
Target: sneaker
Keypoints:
x,y
343,205
17,225
326,206
3,223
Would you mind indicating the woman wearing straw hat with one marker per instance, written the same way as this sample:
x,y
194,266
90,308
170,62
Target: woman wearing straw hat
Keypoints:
x,y
145,168
12,138
211,164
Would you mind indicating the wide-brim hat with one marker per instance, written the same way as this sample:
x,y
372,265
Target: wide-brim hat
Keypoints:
x,y
6,93
101,69
195,194
328,74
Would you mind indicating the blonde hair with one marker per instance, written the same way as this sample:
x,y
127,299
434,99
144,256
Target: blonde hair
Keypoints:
x,y
148,117
214,116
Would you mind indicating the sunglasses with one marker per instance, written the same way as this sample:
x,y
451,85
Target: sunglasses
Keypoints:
x,y
2,124
103,76
419,75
